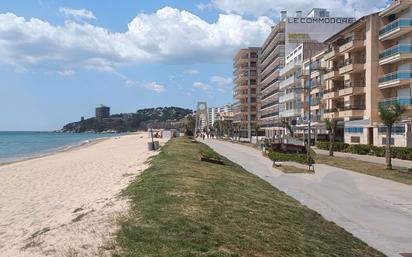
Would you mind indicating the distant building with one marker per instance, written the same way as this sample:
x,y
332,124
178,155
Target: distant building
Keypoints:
x,y
102,112
214,113
245,66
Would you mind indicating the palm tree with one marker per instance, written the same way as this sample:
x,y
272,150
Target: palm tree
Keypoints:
x,y
331,127
390,114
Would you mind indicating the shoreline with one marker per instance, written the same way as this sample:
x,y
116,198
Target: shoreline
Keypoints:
x,y
67,203
51,152
62,149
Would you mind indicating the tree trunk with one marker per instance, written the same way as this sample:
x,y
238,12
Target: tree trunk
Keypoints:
x,y
388,156
331,142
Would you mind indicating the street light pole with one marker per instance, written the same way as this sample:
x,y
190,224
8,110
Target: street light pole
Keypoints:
x,y
309,105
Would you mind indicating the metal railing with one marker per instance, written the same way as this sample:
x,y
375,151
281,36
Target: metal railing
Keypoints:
x,y
396,100
397,75
398,49
400,23
352,84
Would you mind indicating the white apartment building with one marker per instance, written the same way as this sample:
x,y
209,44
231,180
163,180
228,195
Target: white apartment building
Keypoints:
x,y
292,84
284,38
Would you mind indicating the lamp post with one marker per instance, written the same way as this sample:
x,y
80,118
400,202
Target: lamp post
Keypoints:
x,y
309,89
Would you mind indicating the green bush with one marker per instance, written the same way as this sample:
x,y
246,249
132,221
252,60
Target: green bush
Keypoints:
x,y
359,149
378,151
337,146
290,157
401,153
323,145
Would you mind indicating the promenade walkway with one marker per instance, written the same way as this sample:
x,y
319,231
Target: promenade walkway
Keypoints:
x,y
368,158
375,210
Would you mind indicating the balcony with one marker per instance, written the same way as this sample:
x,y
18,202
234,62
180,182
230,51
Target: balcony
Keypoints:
x,y
352,111
395,54
290,68
353,88
396,100
243,94
353,43
290,113
331,73
395,79
289,97
396,7
288,82
395,29
332,54
352,66
330,94
331,113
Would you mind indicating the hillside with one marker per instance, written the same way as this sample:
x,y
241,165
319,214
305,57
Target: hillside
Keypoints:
x,y
161,117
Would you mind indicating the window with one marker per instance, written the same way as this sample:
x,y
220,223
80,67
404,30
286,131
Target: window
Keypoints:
x,y
355,140
398,130
354,130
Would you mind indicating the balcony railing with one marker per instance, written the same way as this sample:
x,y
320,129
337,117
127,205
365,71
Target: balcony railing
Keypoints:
x,y
353,108
289,81
354,61
398,75
400,23
398,49
396,100
352,84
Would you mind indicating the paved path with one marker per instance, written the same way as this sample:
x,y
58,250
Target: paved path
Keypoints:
x,y
375,210
368,158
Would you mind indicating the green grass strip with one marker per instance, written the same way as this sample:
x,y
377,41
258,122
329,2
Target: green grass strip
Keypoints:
x,y
184,207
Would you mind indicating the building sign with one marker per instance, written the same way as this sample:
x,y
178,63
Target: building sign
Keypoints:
x,y
299,38
324,20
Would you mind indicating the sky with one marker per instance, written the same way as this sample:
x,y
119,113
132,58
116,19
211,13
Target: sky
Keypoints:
x,y
61,58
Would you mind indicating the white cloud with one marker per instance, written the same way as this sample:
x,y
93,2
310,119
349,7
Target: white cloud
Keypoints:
x,y
221,81
191,72
168,36
202,86
202,6
155,87
67,73
77,13
273,7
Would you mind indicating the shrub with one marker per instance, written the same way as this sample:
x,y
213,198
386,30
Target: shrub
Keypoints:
x,y
401,153
323,145
337,146
378,151
359,149
290,157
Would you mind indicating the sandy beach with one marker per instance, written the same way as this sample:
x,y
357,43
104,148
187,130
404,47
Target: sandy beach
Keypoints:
x,y
67,204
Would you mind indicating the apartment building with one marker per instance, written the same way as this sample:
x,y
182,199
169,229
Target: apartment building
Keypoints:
x,y
395,68
102,112
292,84
284,38
313,71
245,91
351,79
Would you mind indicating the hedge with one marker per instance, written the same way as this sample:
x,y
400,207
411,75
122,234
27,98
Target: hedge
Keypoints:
x,y
290,157
403,153
337,146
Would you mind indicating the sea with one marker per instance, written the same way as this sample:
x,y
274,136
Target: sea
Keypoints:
x,y
16,146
